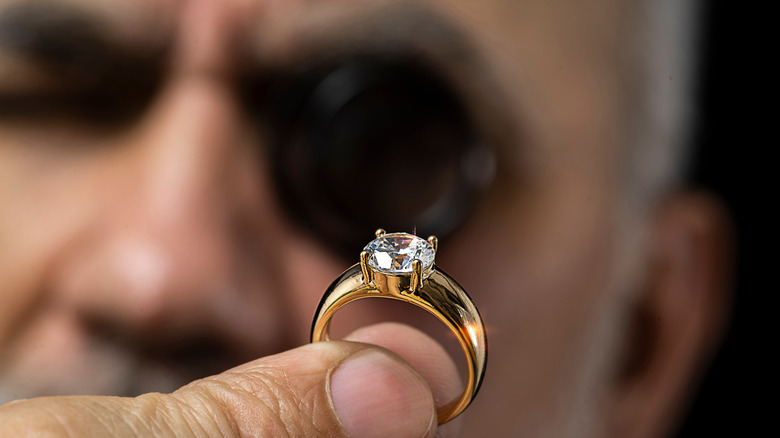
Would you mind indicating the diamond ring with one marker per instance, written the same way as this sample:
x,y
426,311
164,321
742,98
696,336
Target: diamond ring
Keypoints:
x,y
400,266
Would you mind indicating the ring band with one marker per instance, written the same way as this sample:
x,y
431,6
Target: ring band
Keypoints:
x,y
400,266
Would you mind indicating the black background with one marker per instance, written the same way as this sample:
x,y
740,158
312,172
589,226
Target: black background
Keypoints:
x,y
734,143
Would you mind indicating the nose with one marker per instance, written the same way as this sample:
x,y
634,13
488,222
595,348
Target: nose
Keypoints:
x,y
184,237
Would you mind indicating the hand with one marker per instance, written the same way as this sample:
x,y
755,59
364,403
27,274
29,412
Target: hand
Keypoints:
x,y
326,389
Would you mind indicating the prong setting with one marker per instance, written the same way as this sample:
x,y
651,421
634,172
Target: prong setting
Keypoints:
x,y
397,263
434,241
367,272
379,232
416,282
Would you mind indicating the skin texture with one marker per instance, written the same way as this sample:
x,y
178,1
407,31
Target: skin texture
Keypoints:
x,y
257,397
126,253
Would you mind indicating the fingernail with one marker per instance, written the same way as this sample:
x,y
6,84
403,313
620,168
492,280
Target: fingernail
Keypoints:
x,y
376,395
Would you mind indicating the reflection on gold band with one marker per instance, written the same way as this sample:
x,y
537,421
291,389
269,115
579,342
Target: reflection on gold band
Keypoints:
x,y
437,293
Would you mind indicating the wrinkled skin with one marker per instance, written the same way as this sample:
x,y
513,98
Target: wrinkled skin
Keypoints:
x,y
118,243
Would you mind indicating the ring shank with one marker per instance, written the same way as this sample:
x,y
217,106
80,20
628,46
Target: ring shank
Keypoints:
x,y
440,296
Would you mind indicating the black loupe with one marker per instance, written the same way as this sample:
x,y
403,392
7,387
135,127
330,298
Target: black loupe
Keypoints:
x,y
374,143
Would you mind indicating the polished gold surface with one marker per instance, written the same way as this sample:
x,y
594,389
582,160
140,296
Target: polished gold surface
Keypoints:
x,y
379,233
364,268
416,280
432,290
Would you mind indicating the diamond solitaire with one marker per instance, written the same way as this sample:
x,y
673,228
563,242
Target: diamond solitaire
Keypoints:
x,y
394,253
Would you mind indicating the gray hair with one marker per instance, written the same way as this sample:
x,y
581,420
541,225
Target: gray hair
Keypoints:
x,y
661,60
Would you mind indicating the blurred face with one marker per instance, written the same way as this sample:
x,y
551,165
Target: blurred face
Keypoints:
x,y
146,239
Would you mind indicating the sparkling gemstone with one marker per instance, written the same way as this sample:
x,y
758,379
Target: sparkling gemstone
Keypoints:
x,y
394,253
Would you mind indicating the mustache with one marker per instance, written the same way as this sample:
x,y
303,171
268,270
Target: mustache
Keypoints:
x,y
108,363
164,363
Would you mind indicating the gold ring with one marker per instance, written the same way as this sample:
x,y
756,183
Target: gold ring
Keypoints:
x,y
400,266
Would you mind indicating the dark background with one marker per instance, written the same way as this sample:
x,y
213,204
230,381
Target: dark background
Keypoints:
x,y
733,143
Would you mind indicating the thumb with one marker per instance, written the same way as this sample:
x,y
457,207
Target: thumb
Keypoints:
x,y
301,392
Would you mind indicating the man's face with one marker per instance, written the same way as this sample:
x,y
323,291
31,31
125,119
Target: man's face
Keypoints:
x,y
139,255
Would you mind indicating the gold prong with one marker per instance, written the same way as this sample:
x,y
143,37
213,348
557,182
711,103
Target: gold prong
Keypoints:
x,y
379,232
434,241
367,277
416,282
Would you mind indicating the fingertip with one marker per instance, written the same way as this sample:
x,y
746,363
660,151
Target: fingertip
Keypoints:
x,y
376,395
425,355
421,351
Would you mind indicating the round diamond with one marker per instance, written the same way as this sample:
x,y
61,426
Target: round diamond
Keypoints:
x,y
394,253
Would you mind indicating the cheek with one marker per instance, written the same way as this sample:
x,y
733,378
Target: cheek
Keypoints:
x,y
543,250
38,217
538,268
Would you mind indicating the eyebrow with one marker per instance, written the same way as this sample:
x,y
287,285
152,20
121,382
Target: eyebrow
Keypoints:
x,y
70,42
402,30
393,29
79,65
